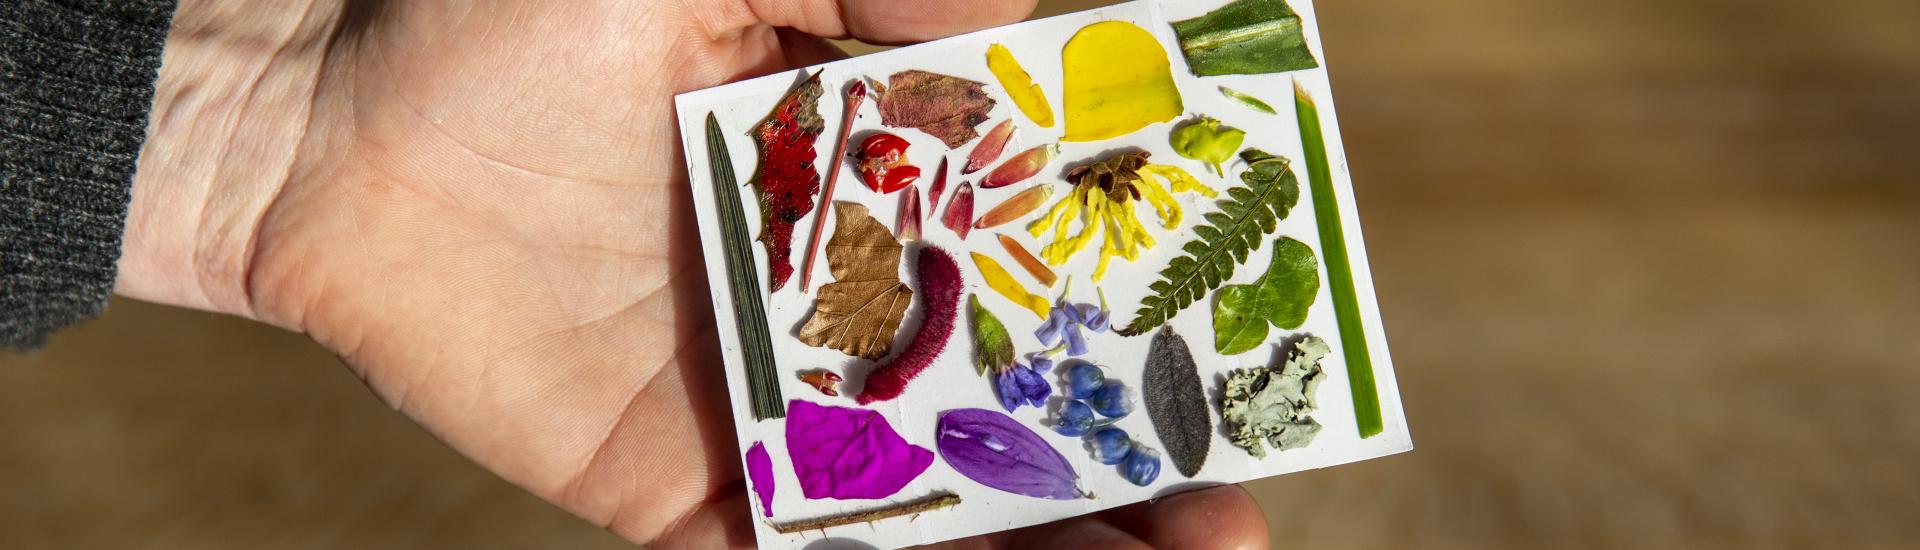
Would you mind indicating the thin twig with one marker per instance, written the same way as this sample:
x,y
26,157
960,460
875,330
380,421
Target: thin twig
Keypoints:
x,y
929,503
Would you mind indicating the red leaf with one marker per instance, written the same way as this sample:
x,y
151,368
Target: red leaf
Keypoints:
x,y
787,180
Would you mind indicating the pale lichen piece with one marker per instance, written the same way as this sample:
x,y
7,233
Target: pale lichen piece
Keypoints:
x,y
1274,404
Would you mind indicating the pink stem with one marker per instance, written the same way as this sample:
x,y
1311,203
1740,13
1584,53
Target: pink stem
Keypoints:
x,y
855,95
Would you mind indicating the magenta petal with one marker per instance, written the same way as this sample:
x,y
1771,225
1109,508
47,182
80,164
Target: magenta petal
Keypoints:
x,y
996,451
760,474
849,453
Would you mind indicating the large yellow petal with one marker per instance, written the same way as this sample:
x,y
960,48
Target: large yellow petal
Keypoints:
x,y
1117,81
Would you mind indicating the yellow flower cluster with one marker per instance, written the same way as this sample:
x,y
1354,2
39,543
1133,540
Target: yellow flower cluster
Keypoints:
x,y
1103,197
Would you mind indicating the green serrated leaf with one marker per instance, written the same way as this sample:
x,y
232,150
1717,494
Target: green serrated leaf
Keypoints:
x,y
1245,217
992,346
1207,233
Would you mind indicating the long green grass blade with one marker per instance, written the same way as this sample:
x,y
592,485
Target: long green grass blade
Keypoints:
x,y
1333,247
763,381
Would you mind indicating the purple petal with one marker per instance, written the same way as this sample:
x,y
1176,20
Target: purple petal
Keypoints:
x,y
1092,317
848,453
1049,332
760,474
1041,363
1076,345
995,450
1008,388
1033,387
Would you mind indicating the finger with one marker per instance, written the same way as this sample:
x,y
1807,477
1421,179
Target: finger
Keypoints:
x,y
1080,532
889,21
802,49
1215,517
1077,532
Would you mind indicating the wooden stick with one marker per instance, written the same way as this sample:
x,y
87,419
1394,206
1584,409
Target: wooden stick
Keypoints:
x,y
929,503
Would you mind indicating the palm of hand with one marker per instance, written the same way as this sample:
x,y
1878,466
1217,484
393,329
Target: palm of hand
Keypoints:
x,y
492,227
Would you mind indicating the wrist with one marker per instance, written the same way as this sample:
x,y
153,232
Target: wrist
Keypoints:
x,y
230,110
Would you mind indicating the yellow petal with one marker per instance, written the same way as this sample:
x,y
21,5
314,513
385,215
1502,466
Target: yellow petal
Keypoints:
x,y
1020,87
1002,282
1117,81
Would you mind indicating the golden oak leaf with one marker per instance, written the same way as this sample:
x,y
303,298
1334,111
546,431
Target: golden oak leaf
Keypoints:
x,y
859,312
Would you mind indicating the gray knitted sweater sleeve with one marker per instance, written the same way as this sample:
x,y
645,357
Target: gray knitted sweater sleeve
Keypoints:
x,y
76,82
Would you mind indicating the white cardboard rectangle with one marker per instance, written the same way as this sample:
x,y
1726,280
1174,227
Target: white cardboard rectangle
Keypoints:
x,y
951,382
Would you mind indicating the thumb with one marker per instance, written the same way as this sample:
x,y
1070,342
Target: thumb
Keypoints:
x,y
889,21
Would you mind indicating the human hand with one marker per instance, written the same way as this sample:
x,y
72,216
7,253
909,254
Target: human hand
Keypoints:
x,y
482,208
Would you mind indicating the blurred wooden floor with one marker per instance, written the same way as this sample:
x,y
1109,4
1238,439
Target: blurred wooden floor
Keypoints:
x,y
1651,271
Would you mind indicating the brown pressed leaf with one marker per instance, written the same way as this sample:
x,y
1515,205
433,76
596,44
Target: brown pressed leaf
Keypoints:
x,y
945,107
860,310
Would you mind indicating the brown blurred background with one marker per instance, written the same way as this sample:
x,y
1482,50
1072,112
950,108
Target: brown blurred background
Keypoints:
x,y
1651,271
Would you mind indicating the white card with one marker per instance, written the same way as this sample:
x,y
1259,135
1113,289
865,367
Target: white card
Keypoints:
x,y
951,381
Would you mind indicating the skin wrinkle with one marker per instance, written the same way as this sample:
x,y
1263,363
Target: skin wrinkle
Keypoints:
x,y
213,265
587,466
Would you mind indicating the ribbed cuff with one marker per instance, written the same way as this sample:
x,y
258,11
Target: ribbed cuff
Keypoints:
x,y
76,82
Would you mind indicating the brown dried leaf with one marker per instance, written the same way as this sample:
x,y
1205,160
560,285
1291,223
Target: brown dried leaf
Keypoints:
x,y
943,106
859,312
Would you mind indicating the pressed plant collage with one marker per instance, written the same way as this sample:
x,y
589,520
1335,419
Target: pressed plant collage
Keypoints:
x,y
1038,271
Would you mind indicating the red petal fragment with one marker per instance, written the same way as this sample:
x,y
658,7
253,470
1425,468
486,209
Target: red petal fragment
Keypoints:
x,y
909,223
1020,167
990,147
959,216
939,187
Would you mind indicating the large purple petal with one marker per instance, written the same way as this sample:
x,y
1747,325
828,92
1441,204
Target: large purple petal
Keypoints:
x,y
760,474
996,451
848,453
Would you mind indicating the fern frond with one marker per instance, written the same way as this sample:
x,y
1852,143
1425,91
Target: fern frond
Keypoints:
x,y
1246,217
